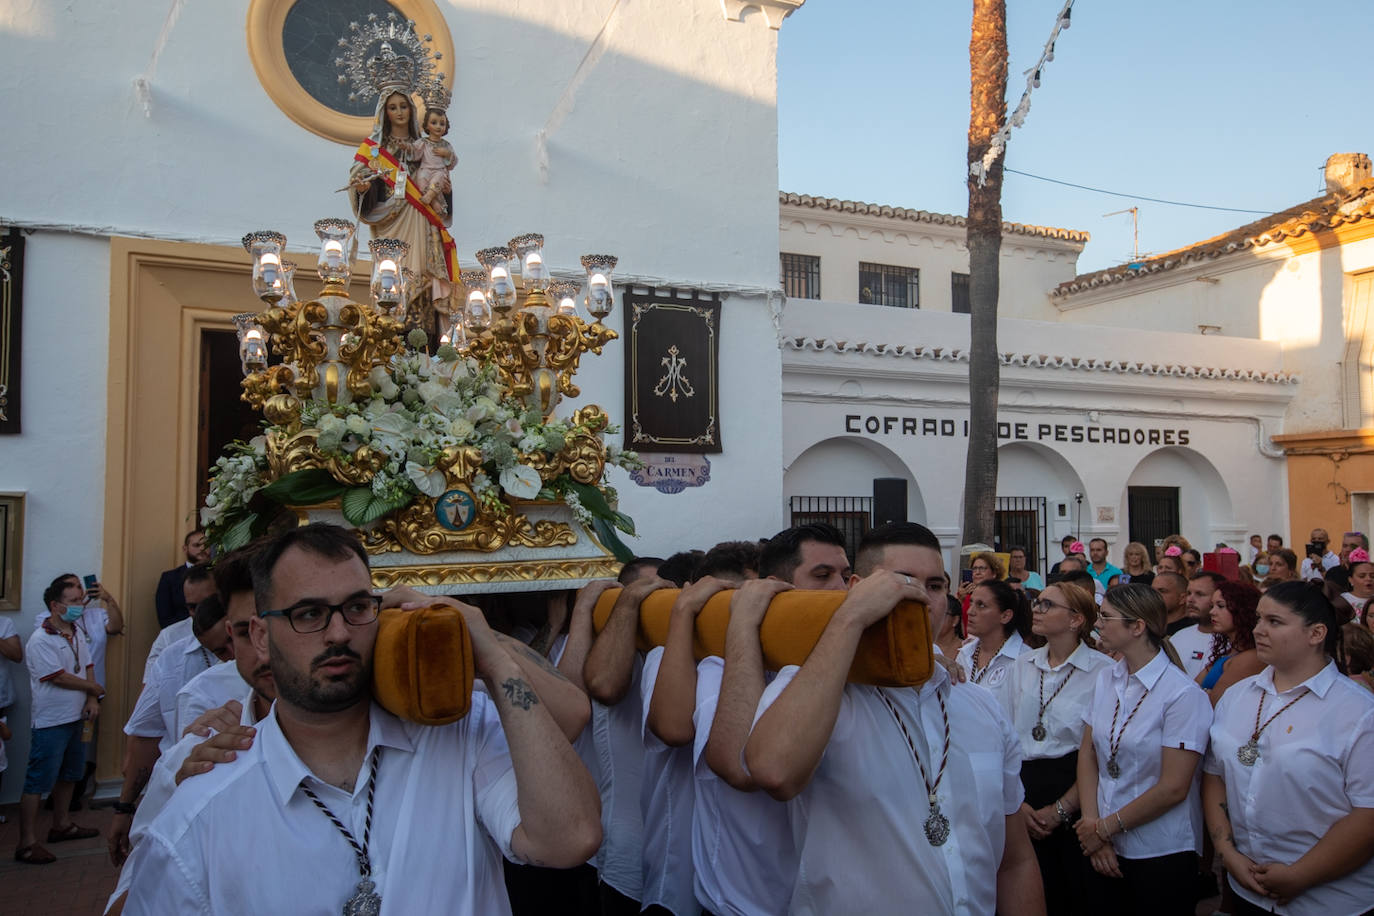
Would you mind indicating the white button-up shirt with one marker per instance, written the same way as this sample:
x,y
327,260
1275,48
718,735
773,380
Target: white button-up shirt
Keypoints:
x,y
619,772
244,838
665,802
208,690
746,862
1316,764
163,781
1063,719
165,637
155,712
859,823
995,671
1174,714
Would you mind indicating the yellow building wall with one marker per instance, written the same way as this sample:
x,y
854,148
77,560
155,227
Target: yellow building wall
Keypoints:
x,y
1324,470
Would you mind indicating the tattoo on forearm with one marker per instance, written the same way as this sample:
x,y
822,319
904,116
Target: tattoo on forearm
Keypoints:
x,y
543,663
519,693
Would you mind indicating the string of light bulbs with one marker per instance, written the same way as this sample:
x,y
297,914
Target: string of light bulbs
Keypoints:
x,y
979,170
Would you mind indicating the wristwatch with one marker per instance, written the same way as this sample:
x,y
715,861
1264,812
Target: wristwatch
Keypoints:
x,y
125,807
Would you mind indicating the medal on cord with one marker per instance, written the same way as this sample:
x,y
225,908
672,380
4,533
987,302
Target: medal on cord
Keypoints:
x,y
1248,753
936,825
1038,732
1114,736
365,900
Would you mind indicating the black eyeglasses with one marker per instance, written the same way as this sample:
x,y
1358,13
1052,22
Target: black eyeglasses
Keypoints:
x,y
1046,605
314,616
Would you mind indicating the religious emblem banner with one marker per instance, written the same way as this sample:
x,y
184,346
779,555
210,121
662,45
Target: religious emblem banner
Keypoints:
x,y
11,299
672,372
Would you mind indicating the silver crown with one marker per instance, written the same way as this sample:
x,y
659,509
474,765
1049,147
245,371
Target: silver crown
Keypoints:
x,y
438,98
384,55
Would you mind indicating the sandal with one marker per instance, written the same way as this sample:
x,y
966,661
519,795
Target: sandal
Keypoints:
x,y
72,832
34,855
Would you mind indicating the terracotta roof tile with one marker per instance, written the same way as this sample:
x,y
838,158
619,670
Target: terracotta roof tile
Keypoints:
x,y
1329,211
921,216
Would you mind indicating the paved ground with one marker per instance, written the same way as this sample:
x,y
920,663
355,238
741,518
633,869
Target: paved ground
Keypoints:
x,y
77,884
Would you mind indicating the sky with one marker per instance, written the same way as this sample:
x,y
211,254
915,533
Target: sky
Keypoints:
x,y
1220,102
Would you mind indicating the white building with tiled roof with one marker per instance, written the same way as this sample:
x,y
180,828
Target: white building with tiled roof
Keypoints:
x,y
1302,277
1124,435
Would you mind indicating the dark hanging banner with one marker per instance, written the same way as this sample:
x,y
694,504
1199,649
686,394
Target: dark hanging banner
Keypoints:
x,y
672,373
11,301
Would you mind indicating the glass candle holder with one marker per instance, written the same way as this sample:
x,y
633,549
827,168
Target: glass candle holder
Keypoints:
x,y
563,296
338,248
252,343
599,294
476,311
266,247
501,293
529,249
288,276
388,283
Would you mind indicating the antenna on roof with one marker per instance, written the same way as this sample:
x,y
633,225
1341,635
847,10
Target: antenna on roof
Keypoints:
x,y
1135,229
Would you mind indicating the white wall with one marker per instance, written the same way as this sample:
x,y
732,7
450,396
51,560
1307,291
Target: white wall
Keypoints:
x,y
58,460
1274,295
1030,265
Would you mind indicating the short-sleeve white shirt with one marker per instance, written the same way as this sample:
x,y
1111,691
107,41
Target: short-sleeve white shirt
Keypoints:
x,y
1063,718
165,637
858,825
619,773
155,711
244,838
92,625
666,796
1175,713
6,680
994,675
1316,765
47,655
742,849
208,690
1194,647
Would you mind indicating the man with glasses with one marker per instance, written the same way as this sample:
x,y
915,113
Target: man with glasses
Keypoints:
x,y
370,807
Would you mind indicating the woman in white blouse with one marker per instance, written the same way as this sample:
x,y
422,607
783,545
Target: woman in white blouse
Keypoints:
x,y
998,617
1049,691
1138,765
1289,787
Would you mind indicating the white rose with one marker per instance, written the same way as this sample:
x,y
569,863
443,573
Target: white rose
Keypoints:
x,y
460,428
357,425
429,390
521,481
378,376
259,444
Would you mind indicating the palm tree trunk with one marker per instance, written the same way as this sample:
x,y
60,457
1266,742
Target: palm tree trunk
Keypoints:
x,y
987,112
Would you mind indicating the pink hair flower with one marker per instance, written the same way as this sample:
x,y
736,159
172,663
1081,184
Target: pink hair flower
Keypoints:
x,y
1173,550
1077,547
1359,555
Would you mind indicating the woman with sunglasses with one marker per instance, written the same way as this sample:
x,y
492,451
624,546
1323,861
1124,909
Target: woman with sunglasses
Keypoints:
x,y
998,621
1137,767
1049,690
1288,790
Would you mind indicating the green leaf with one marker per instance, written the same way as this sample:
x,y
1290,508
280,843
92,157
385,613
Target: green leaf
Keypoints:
x,y
361,506
303,488
611,541
624,523
592,499
240,533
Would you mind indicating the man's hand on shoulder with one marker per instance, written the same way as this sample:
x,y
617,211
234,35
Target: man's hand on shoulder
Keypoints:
x,y
219,719
221,748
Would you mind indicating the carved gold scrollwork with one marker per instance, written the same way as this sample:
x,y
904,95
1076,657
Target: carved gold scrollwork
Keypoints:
x,y
287,452
415,529
479,573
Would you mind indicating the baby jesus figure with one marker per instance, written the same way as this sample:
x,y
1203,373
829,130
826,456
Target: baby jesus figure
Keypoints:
x,y
434,159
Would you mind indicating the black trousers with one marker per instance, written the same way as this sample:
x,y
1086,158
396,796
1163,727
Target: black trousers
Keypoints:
x,y
1063,867
534,891
1161,886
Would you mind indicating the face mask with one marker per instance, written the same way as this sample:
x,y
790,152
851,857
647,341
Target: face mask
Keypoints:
x,y
1261,569
73,613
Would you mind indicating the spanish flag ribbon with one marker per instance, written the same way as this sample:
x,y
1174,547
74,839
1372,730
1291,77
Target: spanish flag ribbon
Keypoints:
x,y
390,171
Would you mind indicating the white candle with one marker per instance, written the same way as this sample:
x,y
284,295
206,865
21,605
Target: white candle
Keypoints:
x,y
499,273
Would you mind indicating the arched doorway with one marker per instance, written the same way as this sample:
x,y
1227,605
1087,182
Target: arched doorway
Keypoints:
x,y
1037,502
1179,489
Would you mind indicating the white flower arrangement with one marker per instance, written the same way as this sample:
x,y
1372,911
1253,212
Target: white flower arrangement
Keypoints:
x,y
420,406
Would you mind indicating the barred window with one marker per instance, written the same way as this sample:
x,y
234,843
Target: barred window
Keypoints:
x,y
801,276
958,287
884,284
